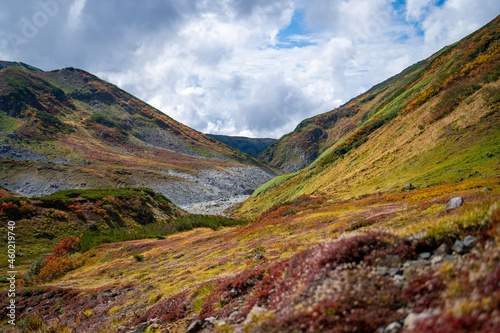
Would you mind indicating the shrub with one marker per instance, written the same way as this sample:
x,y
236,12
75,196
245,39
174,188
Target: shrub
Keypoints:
x,y
138,257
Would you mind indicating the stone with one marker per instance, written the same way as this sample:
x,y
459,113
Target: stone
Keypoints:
x,y
409,186
399,277
411,320
258,256
458,247
234,292
436,259
393,327
382,271
140,328
469,241
450,258
395,271
486,189
255,312
442,250
29,309
454,203
121,328
425,255
195,326
489,155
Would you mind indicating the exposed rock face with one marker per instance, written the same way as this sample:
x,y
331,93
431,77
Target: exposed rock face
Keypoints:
x,y
183,189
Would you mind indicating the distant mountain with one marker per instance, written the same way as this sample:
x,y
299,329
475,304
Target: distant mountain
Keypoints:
x,y
249,146
68,129
434,123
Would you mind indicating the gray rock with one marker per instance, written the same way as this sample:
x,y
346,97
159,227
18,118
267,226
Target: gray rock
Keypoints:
x,y
412,319
436,259
399,277
234,292
195,326
442,250
29,309
393,327
454,203
425,255
458,247
140,328
382,271
121,328
489,155
258,256
409,186
469,240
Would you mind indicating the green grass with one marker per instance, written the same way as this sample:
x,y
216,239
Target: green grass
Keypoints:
x,y
92,238
276,181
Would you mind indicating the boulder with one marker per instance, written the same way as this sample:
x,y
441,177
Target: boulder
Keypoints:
x,y
454,203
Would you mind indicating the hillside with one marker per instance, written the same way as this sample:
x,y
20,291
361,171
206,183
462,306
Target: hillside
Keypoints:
x,y
251,146
464,73
68,129
435,123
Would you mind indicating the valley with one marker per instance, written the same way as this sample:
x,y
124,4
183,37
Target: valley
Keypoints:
x,y
382,215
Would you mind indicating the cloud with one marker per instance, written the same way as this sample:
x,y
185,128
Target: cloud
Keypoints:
x,y
225,66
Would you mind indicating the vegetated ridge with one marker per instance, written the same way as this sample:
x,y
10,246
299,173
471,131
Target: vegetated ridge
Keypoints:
x,y
395,228
251,146
68,129
435,123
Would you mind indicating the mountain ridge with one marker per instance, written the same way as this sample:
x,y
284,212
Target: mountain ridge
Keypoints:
x,y
97,133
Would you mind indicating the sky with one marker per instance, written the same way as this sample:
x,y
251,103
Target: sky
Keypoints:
x,y
237,67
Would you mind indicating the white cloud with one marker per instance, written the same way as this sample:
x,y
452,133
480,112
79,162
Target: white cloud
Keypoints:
x,y
219,67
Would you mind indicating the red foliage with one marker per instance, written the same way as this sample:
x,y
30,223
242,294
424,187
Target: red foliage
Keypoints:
x,y
171,309
424,291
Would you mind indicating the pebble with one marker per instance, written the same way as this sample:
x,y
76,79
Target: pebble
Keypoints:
x,y
458,247
425,255
469,240
393,327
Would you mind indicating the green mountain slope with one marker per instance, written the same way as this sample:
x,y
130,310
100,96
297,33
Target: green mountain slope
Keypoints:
x,y
435,123
74,130
251,146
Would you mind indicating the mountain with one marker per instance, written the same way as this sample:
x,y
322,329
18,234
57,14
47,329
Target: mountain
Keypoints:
x,y
251,146
68,129
434,123
460,74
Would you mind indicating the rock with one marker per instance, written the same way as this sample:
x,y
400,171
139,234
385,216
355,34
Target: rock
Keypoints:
x,y
195,326
140,328
469,240
489,155
399,277
450,258
234,313
486,189
234,292
409,186
442,250
29,309
121,328
258,256
454,203
436,259
382,271
393,327
460,179
411,320
255,312
395,271
425,255
458,247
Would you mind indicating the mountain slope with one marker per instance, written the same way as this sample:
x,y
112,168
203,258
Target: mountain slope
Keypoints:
x,y
74,130
435,123
251,146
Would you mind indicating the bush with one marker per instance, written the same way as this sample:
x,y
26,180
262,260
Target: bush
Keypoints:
x,y
138,257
